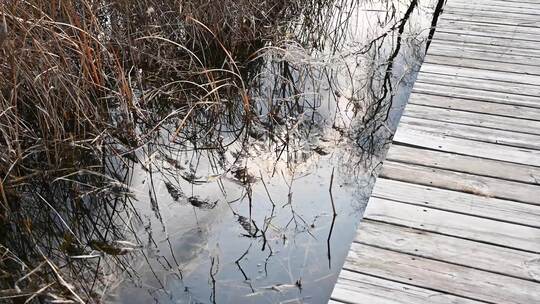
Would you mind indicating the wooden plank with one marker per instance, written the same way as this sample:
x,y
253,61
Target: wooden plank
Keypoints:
x,y
490,52
507,15
480,74
509,138
501,31
472,105
454,224
464,164
434,89
445,24
490,19
507,43
480,84
491,33
460,202
485,65
471,53
458,251
463,182
357,288
524,16
488,49
467,147
440,276
523,3
496,3
480,7
474,119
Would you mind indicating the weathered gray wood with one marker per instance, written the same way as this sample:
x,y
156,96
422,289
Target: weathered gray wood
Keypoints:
x,y
476,94
499,7
453,250
440,276
467,147
446,24
506,31
502,43
530,17
497,3
481,74
474,119
454,224
488,32
479,106
463,182
475,53
479,84
357,288
519,69
486,48
524,3
491,19
456,201
503,33
465,164
457,130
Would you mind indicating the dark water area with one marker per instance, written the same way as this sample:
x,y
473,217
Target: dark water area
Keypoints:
x,y
254,208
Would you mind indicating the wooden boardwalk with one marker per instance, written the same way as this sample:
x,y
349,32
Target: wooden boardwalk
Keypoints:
x,y
455,213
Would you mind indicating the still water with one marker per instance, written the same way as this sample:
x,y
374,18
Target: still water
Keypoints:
x,y
269,217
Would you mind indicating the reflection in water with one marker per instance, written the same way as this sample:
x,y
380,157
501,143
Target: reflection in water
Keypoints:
x,y
257,205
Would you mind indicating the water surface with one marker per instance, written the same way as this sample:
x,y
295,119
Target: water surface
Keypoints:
x,y
253,221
